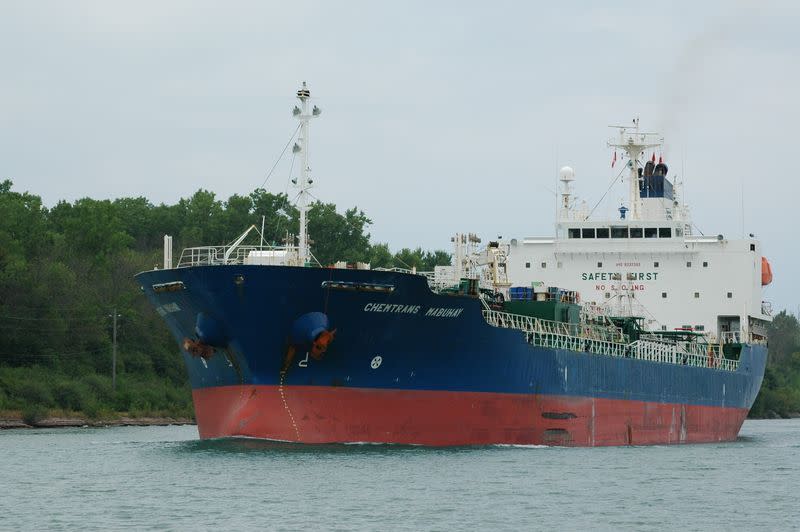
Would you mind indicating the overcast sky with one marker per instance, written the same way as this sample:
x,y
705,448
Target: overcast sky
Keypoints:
x,y
437,116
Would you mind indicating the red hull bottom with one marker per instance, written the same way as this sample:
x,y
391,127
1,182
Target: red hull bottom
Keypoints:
x,y
317,414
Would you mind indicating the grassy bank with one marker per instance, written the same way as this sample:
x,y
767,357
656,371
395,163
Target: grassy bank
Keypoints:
x,y
37,393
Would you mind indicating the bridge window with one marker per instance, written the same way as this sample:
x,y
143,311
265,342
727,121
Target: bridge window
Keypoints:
x,y
544,265
587,233
636,232
730,295
574,232
705,264
664,232
650,232
602,232
664,295
619,232
697,295
527,264
599,264
752,247
689,264
699,327
655,264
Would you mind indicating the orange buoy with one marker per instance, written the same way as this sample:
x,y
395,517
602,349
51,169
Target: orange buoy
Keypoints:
x,y
766,272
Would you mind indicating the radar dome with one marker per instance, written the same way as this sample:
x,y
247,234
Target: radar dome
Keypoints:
x,y
566,174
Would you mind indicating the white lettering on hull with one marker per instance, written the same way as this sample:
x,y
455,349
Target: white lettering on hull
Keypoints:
x,y
444,312
392,308
432,312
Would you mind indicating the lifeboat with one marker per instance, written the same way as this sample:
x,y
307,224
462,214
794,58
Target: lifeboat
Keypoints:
x,y
766,272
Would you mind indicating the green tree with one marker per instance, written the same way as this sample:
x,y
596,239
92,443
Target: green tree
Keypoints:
x,y
203,222
338,237
91,227
135,217
436,258
780,390
22,224
279,215
237,215
380,256
784,337
413,258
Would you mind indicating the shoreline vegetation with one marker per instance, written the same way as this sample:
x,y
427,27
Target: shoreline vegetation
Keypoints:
x,y
15,420
66,270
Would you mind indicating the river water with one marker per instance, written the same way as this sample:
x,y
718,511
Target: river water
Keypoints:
x,y
164,478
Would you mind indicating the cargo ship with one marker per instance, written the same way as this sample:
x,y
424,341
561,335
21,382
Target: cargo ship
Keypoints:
x,y
630,331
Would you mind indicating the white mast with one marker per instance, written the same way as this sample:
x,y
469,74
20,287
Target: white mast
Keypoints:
x,y
566,175
634,143
306,182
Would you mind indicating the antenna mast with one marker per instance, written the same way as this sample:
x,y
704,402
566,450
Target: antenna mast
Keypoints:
x,y
633,142
306,182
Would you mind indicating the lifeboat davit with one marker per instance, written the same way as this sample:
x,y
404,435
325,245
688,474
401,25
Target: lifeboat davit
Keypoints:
x,y
766,272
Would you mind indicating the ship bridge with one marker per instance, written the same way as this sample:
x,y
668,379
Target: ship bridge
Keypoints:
x,y
647,261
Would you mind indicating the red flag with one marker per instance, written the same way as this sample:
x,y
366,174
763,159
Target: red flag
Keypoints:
x,y
614,160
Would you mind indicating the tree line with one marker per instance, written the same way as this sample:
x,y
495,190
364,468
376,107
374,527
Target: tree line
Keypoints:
x,y
64,270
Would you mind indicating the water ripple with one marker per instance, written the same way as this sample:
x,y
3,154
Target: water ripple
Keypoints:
x,y
165,478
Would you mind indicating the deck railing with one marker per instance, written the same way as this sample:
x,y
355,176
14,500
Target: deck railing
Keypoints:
x,y
221,255
531,324
610,341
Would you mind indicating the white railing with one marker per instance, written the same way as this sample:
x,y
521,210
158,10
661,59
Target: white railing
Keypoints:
x,y
400,270
212,256
610,341
221,255
731,337
436,285
737,337
538,325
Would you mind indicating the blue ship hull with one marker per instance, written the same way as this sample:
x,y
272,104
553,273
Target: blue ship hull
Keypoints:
x,y
406,365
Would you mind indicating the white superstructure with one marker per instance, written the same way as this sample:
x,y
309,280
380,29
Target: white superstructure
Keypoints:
x,y
647,262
